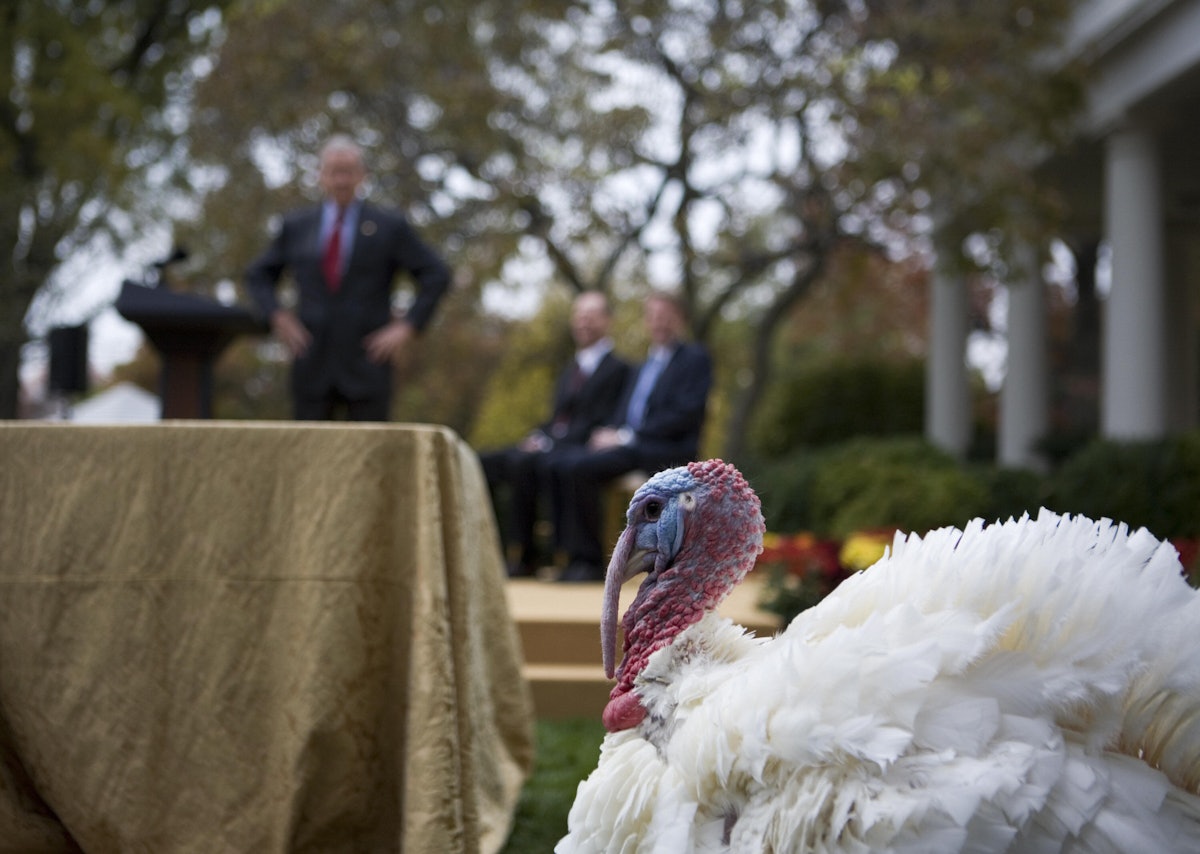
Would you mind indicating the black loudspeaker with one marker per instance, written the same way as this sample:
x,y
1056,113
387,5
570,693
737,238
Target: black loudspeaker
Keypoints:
x,y
69,359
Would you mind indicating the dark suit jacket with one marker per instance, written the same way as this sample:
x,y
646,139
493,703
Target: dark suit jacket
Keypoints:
x,y
384,244
670,429
581,411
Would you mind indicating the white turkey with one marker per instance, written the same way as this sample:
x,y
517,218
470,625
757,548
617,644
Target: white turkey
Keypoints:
x,y
1031,686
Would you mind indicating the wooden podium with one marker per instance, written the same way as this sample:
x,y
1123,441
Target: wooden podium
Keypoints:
x,y
189,332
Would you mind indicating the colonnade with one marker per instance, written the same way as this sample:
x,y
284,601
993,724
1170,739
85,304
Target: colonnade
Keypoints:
x,y
1149,363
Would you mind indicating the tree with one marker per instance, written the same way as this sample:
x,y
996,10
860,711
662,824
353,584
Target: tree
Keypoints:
x,y
724,148
89,117
982,95
525,377
408,79
786,132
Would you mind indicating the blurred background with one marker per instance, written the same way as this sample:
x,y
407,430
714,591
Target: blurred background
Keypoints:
x,y
972,226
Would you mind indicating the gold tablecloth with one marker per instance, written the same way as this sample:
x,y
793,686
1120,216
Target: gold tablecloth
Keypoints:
x,y
253,638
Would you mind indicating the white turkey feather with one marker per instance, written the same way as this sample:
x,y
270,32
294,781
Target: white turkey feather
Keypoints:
x,y
1026,686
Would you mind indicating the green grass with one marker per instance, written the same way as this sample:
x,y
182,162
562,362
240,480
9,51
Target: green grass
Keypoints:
x,y
567,751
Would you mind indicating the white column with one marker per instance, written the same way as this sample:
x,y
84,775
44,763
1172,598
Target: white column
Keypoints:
x,y
1025,395
1133,397
947,392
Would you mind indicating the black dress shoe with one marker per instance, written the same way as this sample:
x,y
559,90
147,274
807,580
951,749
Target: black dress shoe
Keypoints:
x,y
581,571
521,570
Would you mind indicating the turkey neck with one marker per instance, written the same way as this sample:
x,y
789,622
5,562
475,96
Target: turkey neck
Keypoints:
x,y
681,594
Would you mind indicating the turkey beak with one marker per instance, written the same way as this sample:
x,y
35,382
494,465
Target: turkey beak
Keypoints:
x,y
626,562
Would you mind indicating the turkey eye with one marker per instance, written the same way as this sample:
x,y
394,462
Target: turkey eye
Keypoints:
x,y
654,510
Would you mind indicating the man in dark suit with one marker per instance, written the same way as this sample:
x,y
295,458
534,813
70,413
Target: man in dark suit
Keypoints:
x,y
585,397
657,426
344,255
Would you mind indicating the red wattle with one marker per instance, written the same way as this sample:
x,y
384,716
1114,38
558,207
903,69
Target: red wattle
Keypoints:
x,y
623,712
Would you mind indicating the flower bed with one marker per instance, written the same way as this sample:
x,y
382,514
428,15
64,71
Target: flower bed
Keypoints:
x,y
802,569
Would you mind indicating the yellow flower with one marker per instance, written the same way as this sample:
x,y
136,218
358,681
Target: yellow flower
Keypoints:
x,y
863,549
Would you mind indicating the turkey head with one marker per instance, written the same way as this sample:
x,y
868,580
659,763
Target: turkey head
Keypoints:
x,y
695,531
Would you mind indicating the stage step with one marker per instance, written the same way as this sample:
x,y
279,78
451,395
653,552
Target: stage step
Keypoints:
x,y
559,626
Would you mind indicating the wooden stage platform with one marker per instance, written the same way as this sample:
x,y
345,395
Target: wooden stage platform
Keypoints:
x,y
559,626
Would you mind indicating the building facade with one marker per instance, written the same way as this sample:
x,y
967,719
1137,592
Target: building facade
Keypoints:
x,y
1132,185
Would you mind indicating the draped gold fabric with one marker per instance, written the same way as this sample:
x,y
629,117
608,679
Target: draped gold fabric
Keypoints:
x,y
253,638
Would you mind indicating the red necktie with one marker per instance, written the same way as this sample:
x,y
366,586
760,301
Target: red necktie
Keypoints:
x,y
331,264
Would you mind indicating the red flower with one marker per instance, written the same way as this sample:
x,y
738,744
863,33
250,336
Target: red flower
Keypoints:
x,y
801,554
1189,551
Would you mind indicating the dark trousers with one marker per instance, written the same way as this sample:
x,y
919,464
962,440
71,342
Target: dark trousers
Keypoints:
x,y
583,476
527,478
329,406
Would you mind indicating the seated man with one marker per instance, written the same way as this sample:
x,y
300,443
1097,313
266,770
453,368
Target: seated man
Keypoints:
x,y
657,426
584,398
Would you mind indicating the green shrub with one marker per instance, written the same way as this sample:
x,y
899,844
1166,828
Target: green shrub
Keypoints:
x,y
901,482
869,483
1155,484
865,483
783,486
824,403
1010,492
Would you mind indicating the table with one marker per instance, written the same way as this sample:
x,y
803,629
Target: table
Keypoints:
x,y
258,637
